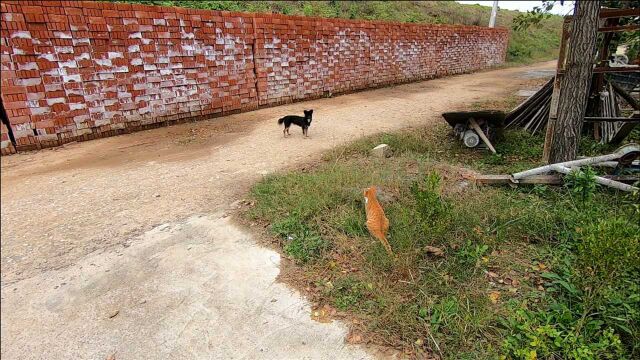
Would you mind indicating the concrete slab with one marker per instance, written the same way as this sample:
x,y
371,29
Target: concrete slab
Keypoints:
x,y
200,289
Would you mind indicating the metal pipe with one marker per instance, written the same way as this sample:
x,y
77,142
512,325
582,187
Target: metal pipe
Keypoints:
x,y
600,180
631,147
613,164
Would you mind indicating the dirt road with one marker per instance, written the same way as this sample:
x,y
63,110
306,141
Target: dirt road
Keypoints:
x,y
121,245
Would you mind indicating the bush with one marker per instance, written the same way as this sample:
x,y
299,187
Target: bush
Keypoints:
x,y
538,335
592,297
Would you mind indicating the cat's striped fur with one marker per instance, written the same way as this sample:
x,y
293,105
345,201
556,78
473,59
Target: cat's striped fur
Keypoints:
x,y
377,222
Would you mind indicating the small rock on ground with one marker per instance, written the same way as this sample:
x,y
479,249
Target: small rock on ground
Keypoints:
x,y
381,151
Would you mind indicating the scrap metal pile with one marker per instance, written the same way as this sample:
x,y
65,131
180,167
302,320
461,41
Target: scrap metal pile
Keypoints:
x,y
623,160
532,115
611,112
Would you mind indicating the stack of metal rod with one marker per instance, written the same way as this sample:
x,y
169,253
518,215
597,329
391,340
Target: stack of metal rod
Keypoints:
x,y
532,115
609,108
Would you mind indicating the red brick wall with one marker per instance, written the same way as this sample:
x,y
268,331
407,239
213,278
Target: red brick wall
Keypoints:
x,y
298,58
77,70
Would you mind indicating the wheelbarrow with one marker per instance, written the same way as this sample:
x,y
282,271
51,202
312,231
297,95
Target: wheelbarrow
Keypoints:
x,y
472,127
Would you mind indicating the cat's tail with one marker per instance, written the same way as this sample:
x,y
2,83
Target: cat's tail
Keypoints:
x,y
280,121
386,245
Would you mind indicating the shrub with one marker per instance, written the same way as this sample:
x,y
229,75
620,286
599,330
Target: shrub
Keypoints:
x,y
427,196
592,299
582,182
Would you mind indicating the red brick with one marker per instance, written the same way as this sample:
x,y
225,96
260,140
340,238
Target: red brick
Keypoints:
x,y
72,11
14,105
57,18
96,20
32,9
19,119
6,90
110,13
35,17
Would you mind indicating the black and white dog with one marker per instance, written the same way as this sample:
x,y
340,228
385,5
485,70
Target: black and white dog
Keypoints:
x,y
303,122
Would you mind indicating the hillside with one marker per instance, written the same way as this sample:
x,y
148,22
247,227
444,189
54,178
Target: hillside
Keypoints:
x,y
535,44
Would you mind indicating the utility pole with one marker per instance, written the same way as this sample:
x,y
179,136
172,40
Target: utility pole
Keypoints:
x,y
494,12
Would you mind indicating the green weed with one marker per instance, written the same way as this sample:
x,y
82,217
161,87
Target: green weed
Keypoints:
x,y
427,197
347,293
591,301
582,182
300,242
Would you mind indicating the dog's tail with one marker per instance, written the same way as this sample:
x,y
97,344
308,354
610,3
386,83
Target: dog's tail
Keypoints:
x,y
280,121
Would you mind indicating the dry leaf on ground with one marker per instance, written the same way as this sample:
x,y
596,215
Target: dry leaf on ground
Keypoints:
x,y
494,296
323,314
435,251
354,338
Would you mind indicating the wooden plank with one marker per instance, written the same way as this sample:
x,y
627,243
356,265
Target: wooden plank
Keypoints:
x,y
476,127
609,29
614,13
563,47
531,107
611,119
605,69
492,179
507,179
628,98
551,179
598,79
553,117
611,13
513,114
622,133
627,128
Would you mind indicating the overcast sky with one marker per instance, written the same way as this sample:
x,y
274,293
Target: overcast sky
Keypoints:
x,y
526,5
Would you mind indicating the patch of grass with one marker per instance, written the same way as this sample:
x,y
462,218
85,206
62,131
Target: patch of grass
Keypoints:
x,y
300,242
348,292
534,270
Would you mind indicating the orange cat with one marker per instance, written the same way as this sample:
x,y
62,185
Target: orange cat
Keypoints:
x,y
377,223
